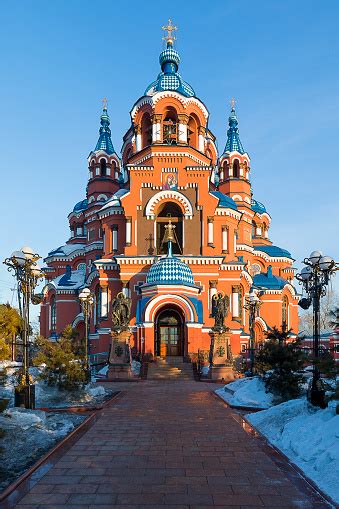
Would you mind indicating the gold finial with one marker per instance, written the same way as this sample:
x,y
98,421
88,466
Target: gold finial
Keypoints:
x,y
104,102
233,103
169,234
169,29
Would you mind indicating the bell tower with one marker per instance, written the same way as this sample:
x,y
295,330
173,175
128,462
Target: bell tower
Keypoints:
x,y
234,165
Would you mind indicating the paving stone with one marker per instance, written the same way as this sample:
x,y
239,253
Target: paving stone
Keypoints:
x,y
168,444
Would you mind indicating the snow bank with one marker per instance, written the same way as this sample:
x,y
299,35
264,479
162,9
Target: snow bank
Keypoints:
x,y
308,436
247,392
95,391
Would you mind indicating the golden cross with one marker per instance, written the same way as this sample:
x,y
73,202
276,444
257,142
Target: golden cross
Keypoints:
x,y
169,28
104,101
233,103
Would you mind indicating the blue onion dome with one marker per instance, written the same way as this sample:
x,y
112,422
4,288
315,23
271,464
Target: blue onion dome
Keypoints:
x,y
258,207
170,270
81,206
169,77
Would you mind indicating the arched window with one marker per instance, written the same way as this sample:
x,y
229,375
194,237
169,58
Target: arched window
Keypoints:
x,y
225,170
236,168
53,314
103,168
170,127
285,312
192,133
254,230
146,130
169,211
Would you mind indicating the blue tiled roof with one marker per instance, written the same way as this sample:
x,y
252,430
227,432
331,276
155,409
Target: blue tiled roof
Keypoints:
x,y
81,205
274,251
233,143
104,142
224,200
269,281
170,271
258,207
169,78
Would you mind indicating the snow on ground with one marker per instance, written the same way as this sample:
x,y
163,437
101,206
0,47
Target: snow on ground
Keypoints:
x,y
308,436
27,435
136,368
47,396
247,392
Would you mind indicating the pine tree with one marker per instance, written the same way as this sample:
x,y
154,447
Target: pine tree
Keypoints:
x,y
279,363
64,367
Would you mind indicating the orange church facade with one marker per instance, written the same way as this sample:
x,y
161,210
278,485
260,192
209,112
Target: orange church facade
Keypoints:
x,y
170,170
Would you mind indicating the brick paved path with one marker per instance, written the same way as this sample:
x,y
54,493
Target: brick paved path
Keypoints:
x,y
168,444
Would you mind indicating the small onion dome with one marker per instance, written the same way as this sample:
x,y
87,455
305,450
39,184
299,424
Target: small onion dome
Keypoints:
x,y
169,60
258,207
80,206
170,270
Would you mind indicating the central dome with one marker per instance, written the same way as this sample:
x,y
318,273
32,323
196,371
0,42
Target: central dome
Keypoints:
x,y
170,271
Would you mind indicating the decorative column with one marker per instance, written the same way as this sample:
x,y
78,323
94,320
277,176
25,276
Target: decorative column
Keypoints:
x,y
128,231
210,228
182,128
201,139
235,241
104,300
224,235
236,307
114,238
137,130
212,291
125,289
156,128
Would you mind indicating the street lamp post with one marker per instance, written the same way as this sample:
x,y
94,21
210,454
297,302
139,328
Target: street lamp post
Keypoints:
x,y
315,277
86,302
27,272
253,304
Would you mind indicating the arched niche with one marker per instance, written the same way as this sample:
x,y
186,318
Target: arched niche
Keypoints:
x,y
146,130
193,131
170,126
169,211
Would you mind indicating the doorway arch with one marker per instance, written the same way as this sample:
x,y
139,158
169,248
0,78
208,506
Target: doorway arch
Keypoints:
x,y
169,332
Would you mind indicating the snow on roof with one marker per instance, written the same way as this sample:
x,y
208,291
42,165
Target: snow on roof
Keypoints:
x,y
71,280
114,201
66,250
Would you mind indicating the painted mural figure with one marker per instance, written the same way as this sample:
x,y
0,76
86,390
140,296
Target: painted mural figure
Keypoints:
x,y
121,311
220,309
170,183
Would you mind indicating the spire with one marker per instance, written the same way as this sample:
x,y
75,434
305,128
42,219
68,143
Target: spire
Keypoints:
x,y
104,141
233,143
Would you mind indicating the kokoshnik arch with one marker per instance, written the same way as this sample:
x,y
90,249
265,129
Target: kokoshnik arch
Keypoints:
x,y
169,170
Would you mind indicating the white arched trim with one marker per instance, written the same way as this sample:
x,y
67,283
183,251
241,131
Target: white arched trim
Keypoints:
x,y
91,199
78,319
290,288
245,275
237,197
165,196
102,197
155,304
262,323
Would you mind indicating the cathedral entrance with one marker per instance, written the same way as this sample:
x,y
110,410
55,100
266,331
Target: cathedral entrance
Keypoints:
x,y
169,333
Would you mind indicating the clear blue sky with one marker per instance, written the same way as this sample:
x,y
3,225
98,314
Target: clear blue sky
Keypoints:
x,y
279,59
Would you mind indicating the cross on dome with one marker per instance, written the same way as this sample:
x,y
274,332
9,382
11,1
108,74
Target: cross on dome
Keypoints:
x,y
169,38
104,102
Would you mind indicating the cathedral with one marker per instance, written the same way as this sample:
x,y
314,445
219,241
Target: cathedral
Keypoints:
x,y
169,179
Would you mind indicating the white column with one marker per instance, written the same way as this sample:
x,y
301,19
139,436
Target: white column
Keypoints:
x,y
128,231
104,301
210,231
201,142
235,242
114,238
224,238
235,304
182,133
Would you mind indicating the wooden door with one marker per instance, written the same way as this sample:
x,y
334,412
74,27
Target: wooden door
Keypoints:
x,y
170,340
